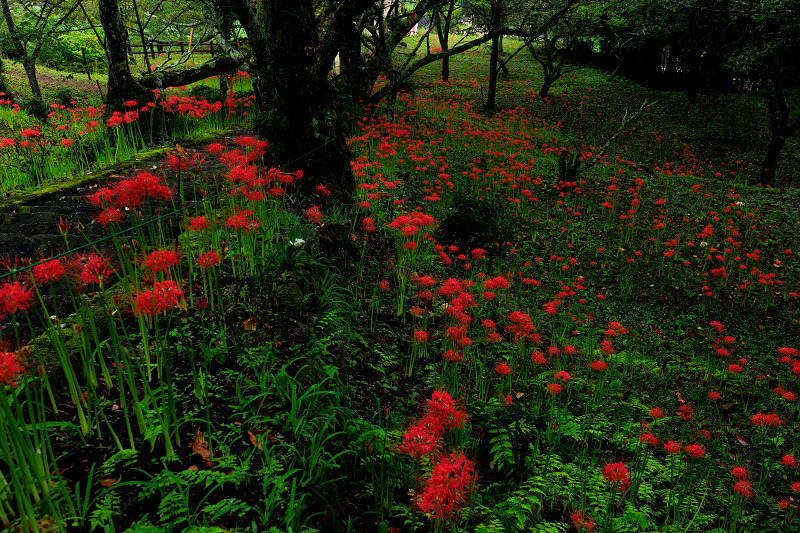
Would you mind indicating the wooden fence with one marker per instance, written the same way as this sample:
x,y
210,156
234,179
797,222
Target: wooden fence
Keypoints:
x,y
168,48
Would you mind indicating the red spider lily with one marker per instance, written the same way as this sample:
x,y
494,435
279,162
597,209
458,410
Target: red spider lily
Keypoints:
x,y
696,451
109,215
739,472
744,489
789,460
599,366
616,475
503,369
686,412
314,214
770,419
443,407
208,260
582,520
164,295
672,447
10,367
445,492
161,261
714,396
648,439
538,358
420,337
198,223
48,271
563,376
14,297
96,269
553,388
241,221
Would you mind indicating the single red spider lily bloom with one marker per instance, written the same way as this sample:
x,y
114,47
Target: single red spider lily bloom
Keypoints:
x,y
648,438
672,447
162,297
616,475
714,396
48,271
13,298
445,492
208,260
599,366
582,520
783,505
795,486
503,369
109,215
96,269
420,337
131,103
161,261
739,472
384,285
314,214
215,148
553,388
696,451
655,412
788,460
563,376
538,358
198,223
66,143
744,489
686,412
9,368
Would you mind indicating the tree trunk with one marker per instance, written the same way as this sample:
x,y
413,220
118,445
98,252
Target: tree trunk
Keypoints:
x,y
121,84
492,93
20,46
305,133
771,159
544,91
29,64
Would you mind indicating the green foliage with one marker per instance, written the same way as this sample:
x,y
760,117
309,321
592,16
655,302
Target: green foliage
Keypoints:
x,y
206,92
36,108
477,221
64,97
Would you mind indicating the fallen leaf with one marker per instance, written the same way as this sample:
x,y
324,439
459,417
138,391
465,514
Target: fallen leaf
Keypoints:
x,y
108,482
254,440
726,406
678,395
200,446
192,468
251,323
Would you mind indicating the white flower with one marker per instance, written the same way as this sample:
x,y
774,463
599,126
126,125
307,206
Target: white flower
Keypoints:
x,y
298,242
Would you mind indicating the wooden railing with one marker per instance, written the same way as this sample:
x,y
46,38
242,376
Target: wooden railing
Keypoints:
x,y
176,47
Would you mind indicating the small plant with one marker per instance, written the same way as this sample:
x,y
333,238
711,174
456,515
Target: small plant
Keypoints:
x,y
64,97
36,108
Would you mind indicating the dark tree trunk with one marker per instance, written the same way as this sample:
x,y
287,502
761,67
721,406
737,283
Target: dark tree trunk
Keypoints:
x,y
355,77
780,124
491,95
444,20
121,84
305,133
771,159
28,62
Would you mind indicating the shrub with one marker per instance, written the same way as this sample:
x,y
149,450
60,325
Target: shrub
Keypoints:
x,y
64,97
477,222
36,108
208,93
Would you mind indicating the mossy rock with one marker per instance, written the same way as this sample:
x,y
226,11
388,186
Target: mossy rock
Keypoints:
x,y
290,296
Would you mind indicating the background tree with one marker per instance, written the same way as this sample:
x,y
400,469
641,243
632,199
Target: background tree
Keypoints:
x,y
30,26
556,48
